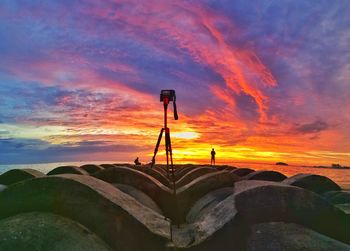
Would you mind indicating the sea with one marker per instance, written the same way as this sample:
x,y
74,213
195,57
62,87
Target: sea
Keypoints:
x,y
340,176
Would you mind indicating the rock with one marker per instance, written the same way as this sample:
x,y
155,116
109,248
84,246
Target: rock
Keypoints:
x,y
281,164
190,193
110,213
68,169
37,231
276,236
193,174
242,171
140,196
337,197
264,201
17,175
91,168
207,203
316,183
265,175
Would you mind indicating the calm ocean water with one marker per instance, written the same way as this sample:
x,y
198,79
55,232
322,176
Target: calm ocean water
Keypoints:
x,y
340,176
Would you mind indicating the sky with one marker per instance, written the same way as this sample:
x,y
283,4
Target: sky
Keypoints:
x,y
259,81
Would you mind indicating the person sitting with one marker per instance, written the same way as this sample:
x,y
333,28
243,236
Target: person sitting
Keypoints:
x,y
137,162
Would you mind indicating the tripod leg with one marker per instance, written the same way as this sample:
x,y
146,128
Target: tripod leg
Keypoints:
x,y
157,146
167,151
167,138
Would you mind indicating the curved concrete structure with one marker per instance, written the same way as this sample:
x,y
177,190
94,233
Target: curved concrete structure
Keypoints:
x,y
242,171
264,201
337,197
193,174
140,196
190,193
68,169
265,175
97,205
91,168
17,175
207,203
45,232
316,183
105,166
277,236
157,175
2,187
161,194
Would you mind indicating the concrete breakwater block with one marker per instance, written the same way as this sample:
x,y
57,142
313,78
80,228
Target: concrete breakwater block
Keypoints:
x,y
187,195
193,174
110,213
207,203
220,228
105,166
316,183
140,196
265,175
157,175
337,197
68,169
159,193
16,175
264,201
277,236
242,171
2,187
45,232
91,168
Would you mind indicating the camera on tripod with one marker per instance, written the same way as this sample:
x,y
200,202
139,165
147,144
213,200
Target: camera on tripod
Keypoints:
x,y
166,96
170,94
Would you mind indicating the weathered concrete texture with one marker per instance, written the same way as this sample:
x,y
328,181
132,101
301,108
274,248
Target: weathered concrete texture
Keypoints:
x,y
157,175
190,193
16,175
139,196
242,171
91,168
161,194
193,174
337,197
110,213
180,172
344,207
2,187
316,183
39,231
277,236
264,201
206,203
225,168
68,169
105,166
265,175
219,229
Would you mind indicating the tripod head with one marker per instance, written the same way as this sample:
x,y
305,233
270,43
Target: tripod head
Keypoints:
x,y
167,96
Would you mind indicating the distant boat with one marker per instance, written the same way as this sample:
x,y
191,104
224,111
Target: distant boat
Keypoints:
x,y
281,164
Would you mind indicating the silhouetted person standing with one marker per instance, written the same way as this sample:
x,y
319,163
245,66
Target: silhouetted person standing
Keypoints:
x,y
212,162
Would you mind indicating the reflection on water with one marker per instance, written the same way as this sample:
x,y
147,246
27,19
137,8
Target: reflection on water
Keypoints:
x,y
340,176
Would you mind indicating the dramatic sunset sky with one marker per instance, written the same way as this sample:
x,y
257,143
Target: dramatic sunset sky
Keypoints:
x,y
260,81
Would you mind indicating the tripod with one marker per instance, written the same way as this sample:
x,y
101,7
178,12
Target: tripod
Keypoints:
x,y
168,149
